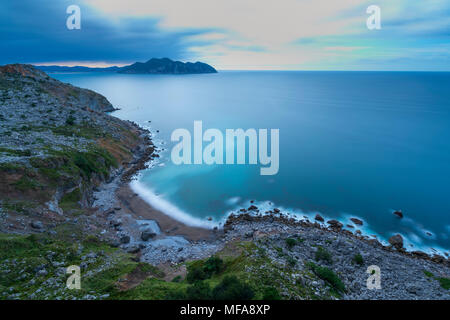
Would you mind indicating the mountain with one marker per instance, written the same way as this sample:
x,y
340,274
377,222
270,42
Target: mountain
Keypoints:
x,y
152,66
76,69
167,66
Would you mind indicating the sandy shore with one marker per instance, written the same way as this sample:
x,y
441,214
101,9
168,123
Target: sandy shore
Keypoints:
x,y
141,210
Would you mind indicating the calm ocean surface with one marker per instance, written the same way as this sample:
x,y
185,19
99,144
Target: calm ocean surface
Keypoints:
x,y
352,144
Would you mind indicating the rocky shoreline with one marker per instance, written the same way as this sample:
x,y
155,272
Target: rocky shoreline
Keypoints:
x,y
67,196
403,272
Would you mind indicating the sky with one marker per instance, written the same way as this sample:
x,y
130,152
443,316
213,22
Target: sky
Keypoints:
x,y
230,34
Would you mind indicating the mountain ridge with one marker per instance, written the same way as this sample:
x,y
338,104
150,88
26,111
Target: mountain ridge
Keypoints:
x,y
152,66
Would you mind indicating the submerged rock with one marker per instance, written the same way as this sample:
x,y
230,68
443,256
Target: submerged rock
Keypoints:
x,y
398,213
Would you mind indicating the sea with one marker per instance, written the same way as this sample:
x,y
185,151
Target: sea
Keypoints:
x,y
351,144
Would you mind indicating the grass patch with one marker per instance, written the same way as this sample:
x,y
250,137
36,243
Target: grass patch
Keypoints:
x,y
71,200
290,243
358,259
444,282
323,254
14,152
329,276
25,183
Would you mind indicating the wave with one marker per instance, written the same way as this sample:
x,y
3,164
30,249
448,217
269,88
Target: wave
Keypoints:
x,y
168,208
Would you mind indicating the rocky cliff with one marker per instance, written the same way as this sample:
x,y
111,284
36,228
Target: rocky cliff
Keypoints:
x,y
57,143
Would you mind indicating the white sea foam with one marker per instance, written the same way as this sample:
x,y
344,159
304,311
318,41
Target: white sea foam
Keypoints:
x,y
169,209
233,201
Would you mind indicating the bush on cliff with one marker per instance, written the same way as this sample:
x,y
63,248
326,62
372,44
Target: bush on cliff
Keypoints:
x,y
231,288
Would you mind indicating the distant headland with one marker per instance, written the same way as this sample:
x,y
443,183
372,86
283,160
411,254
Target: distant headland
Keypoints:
x,y
152,66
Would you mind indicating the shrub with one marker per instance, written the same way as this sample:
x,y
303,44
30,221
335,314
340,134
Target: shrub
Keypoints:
x,y
213,265
70,120
329,276
176,279
199,291
176,295
196,273
290,242
428,274
291,261
270,293
231,288
358,259
25,183
445,283
323,254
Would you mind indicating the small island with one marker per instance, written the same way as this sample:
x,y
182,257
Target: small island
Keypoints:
x,y
167,66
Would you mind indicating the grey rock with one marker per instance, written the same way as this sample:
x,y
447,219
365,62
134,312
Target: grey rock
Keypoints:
x,y
147,234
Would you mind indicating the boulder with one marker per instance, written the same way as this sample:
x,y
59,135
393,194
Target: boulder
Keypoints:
x,y
396,241
318,217
37,225
133,249
335,224
147,234
125,239
357,221
398,213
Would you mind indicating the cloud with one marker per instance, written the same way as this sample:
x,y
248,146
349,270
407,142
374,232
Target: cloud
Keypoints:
x,y
233,34
35,31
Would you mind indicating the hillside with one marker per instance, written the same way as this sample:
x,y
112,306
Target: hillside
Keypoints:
x,y
57,144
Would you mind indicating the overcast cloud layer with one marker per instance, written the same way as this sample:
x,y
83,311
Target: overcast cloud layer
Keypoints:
x,y
232,34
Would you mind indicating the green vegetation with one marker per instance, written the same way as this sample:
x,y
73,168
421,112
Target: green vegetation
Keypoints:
x,y
14,152
323,254
213,265
71,200
196,273
428,274
231,288
290,242
291,261
358,259
16,205
329,276
202,271
200,290
24,256
270,293
444,282
25,183
70,121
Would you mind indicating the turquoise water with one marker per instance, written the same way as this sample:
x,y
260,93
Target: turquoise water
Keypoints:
x,y
352,144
